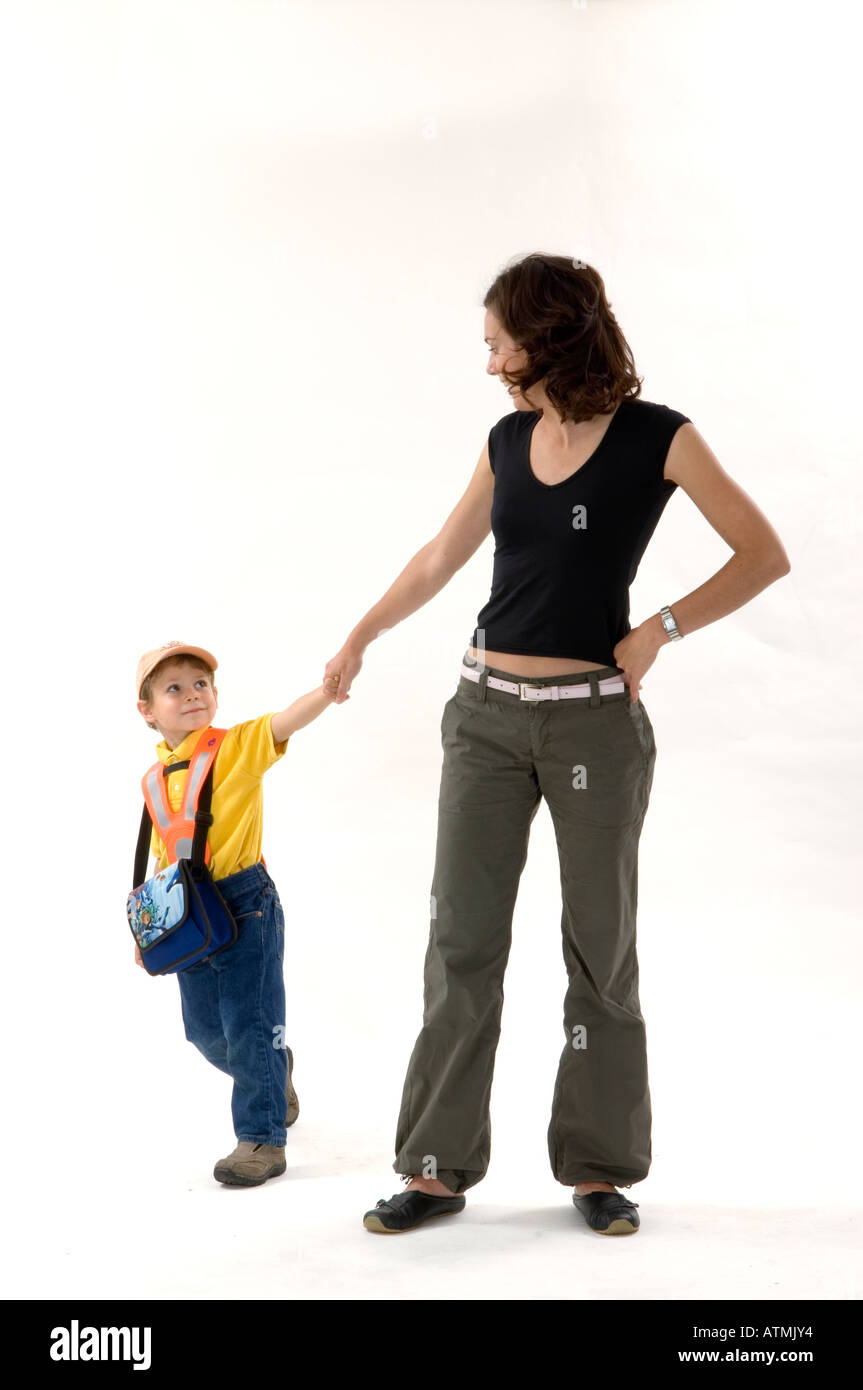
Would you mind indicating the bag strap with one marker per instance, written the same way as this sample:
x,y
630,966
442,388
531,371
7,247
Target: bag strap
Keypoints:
x,y
203,821
143,849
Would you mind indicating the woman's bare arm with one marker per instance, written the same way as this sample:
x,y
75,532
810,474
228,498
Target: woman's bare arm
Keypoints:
x,y
425,575
759,557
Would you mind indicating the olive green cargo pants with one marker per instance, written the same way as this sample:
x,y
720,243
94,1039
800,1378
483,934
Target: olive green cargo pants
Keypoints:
x,y
592,758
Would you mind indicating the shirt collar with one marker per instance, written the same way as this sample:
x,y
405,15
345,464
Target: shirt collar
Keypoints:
x,y
183,751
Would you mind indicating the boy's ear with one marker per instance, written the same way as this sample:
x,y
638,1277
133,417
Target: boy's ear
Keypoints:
x,y
144,710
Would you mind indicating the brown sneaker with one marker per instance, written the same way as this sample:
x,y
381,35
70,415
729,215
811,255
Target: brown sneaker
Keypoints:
x,y
250,1164
293,1103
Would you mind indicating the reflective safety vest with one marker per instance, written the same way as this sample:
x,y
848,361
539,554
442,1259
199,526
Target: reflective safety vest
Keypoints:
x,y
176,829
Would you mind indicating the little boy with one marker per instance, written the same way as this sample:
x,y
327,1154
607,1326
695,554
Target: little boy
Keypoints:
x,y
233,1002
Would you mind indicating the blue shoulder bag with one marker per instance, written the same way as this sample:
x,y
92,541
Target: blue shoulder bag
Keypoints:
x,y
178,916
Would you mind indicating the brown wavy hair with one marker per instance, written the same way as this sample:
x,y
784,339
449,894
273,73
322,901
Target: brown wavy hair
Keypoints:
x,y
556,309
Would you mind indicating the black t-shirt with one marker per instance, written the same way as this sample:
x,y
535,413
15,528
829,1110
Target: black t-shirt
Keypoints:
x,y
566,553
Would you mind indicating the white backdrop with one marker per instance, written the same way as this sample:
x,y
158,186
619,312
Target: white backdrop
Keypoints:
x,y
246,246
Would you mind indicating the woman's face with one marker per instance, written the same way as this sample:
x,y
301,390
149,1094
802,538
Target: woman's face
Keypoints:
x,y
504,355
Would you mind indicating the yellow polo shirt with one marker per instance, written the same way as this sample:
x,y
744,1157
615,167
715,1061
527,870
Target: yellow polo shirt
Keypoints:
x,y
246,751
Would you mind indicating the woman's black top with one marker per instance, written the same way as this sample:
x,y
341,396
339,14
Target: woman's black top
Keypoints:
x,y
566,553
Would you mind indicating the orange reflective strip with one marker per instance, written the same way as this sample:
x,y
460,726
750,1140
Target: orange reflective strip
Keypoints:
x,y
178,827
154,789
198,770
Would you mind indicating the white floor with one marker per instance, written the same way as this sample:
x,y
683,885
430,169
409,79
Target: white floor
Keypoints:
x,y
166,1229
113,1121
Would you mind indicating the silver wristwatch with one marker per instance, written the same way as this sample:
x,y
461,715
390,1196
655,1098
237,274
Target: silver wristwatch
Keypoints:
x,y
670,625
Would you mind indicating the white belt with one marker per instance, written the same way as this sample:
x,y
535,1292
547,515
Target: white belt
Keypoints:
x,y
611,685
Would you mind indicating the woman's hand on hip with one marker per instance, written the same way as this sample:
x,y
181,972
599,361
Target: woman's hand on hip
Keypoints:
x,y
635,654
339,673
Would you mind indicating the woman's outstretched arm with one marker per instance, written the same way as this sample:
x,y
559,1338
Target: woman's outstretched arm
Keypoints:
x,y
425,575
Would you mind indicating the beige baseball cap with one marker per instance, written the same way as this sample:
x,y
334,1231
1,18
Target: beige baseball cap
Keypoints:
x,y
150,660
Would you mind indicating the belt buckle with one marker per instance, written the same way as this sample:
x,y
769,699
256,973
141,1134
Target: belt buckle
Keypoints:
x,y
526,685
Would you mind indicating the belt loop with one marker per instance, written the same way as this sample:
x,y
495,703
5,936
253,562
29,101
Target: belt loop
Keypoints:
x,y
593,681
483,682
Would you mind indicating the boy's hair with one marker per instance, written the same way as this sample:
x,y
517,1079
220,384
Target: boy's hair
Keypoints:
x,y
146,691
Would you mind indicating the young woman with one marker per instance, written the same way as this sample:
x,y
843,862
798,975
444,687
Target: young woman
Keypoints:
x,y
573,483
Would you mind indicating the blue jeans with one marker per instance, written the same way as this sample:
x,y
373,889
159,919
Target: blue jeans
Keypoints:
x,y
233,1006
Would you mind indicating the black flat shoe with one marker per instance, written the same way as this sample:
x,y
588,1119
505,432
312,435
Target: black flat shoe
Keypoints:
x,y
609,1213
408,1209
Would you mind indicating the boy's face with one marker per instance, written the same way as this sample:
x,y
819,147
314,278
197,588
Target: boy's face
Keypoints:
x,y
183,700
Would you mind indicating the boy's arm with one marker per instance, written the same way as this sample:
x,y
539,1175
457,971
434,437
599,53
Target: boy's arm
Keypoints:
x,y
300,713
